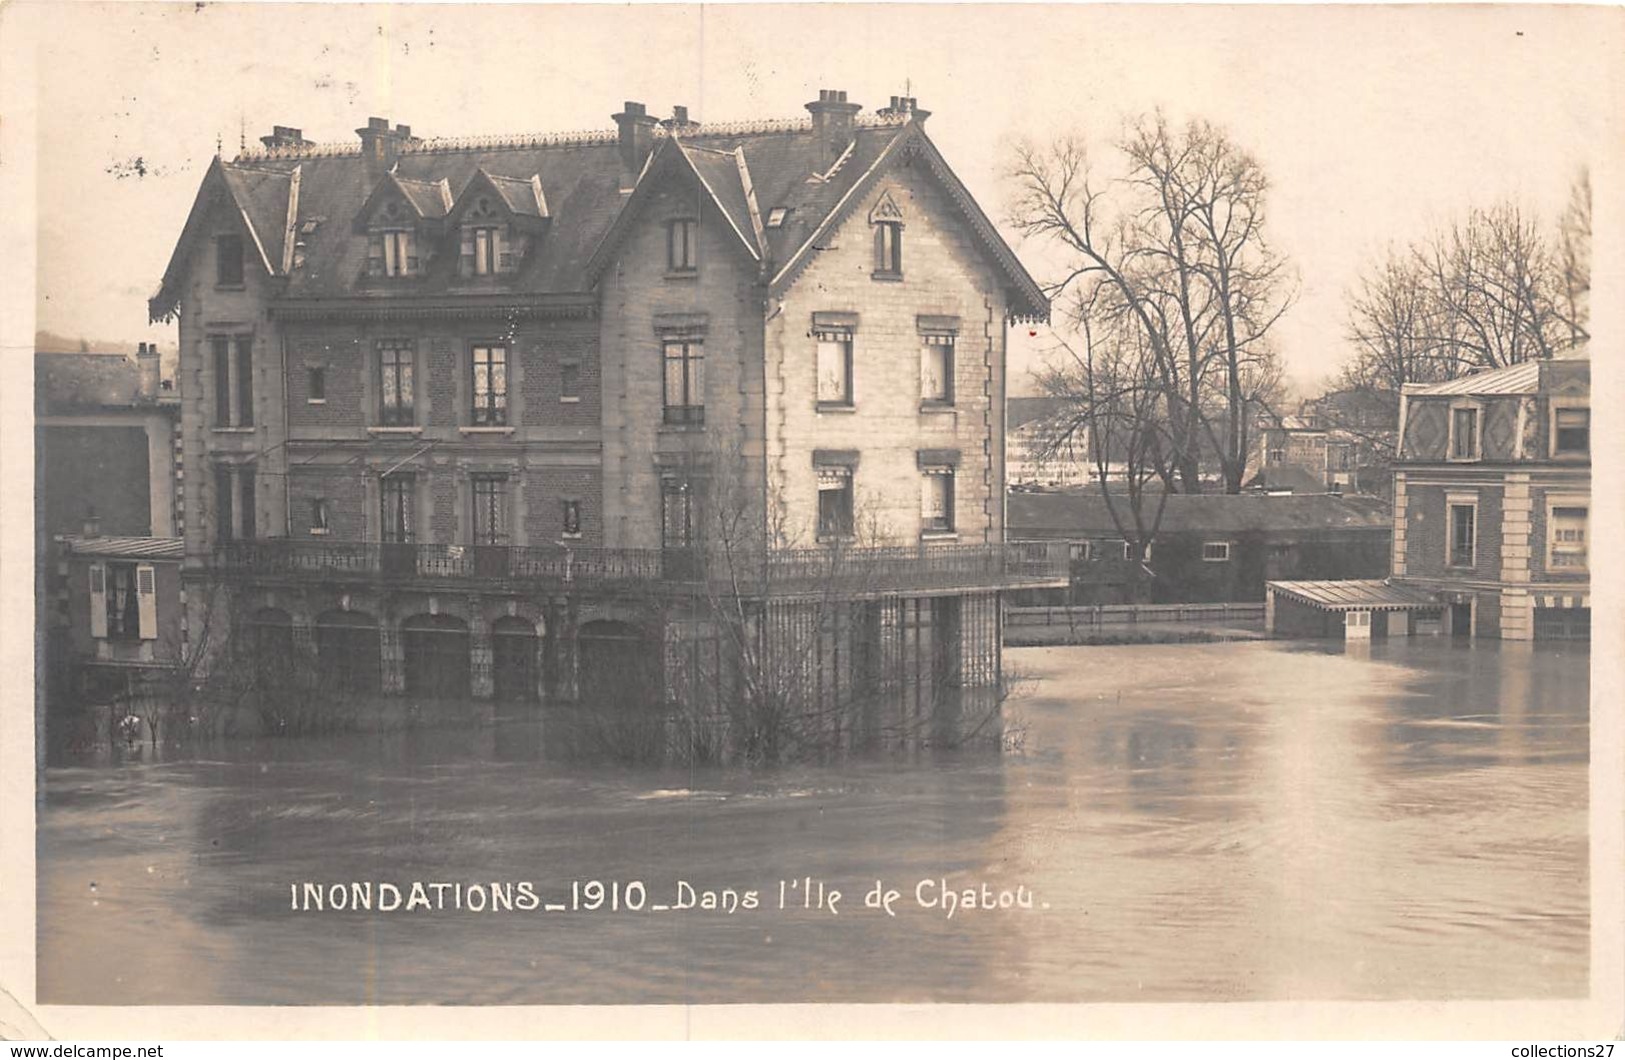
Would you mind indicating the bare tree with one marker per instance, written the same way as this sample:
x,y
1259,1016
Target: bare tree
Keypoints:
x,y
1574,259
1486,291
1173,250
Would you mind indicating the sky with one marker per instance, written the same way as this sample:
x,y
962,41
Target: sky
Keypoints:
x,y
1373,124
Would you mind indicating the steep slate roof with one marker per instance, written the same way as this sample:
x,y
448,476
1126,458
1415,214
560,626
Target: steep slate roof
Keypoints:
x,y
1085,514
748,169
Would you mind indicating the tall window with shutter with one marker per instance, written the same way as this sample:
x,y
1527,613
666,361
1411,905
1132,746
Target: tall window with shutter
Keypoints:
x,y
937,500
937,368
834,367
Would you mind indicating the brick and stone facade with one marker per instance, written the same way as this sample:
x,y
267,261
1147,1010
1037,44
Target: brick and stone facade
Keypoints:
x,y
435,395
1492,499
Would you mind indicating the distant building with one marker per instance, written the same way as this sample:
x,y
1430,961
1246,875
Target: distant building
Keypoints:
x,y
1492,516
109,492
120,614
1493,499
106,433
1209,547
1029,422
1341,442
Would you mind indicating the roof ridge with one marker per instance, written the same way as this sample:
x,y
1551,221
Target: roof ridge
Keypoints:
x,y
575,138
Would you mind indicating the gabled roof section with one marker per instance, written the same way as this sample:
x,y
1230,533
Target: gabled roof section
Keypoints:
x,y
431,198
1028,300
524,198
424,198
718,172
519,196
261,197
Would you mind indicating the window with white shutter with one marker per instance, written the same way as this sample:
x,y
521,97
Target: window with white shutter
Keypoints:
x,y
147,594
98,600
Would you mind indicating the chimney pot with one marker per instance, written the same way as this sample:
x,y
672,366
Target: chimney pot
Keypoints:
x,y
832,123
636,140
380,146
679,115
146,362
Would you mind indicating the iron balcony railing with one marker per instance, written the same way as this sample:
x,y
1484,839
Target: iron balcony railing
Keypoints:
x,y
775,571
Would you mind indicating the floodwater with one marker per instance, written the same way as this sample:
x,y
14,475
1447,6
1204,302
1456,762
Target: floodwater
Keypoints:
x,y
1244,821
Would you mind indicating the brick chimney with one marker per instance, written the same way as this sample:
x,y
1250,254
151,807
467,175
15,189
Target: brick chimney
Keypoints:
x,y
637,140
832,124
905,106
146,361
381,146
680,121
284,136
93,522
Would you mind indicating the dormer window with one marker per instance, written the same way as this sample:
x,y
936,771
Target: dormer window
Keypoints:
x,y
485,251
393,253
777,215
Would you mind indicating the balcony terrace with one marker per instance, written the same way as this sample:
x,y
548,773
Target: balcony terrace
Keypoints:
x,y
847,572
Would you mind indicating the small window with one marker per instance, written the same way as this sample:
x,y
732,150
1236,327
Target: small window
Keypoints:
x,y
1078,552
777,215
1216,551
937,369
937,500
834,502
889,249
1572,432
490,366
1277,456
569,381
572,518
1567,549
834,367
399,254
1464,434
1463,531
316,384
228,261
486,243
1128,551
682,238
123,602
319,517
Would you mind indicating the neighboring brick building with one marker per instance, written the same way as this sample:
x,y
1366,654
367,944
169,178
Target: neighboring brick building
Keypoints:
x,y
107,463
1340,441
1492,516
1492,499
478,387
1209,547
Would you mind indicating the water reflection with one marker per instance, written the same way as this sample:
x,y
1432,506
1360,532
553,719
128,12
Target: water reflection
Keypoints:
x,y
1205,822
